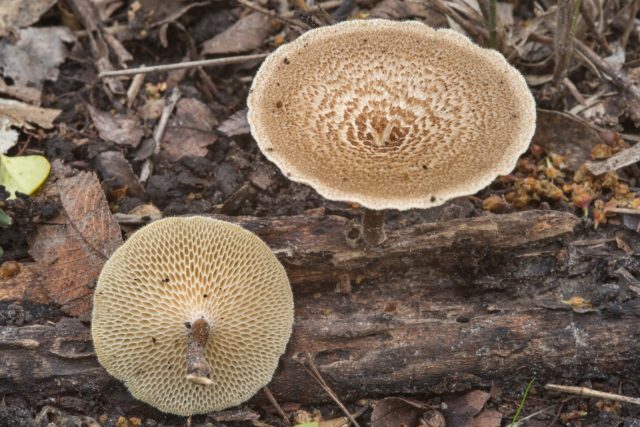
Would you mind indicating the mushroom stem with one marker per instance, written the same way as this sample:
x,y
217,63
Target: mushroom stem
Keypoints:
x,y
198,369
373,227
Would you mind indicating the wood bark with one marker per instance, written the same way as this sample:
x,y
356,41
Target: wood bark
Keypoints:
x,y
436,308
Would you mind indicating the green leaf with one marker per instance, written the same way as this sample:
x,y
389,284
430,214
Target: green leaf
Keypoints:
x,y
5,220
23,173
312,424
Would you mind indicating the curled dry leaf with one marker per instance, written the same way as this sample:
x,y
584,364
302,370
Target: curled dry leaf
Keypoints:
x,y
69,250
190,131
34,57
119,129
248,33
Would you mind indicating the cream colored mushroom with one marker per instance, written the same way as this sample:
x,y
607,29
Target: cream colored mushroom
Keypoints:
x,y
391,115
192,314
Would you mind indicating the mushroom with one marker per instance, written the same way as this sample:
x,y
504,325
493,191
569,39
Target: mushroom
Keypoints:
x,y
391,115
192,314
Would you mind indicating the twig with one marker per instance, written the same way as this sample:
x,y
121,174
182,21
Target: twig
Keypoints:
x,y
493,23
180,65
310,366
630,23
594,29
158,133
619,160
563,38
477,33
618,77
269,13
276,405
134,89
327,5
164,118
583,391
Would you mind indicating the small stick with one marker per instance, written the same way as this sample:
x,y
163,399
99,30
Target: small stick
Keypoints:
x,y
180,65
198,369
268,12
594,29
563,38
164,119
134,88
313,370
275,404
158,133
373,227
630,23
583,391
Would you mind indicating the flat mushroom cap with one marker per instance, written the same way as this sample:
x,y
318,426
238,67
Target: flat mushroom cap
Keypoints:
x,y
390,114
172,273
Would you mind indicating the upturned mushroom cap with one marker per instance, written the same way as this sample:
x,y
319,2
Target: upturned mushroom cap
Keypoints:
x,y
390,114
164,278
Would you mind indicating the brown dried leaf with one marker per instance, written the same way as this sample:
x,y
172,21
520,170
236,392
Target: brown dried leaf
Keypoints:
x,y
395,411
566,135
116,170
237,124
21,114
488,418
35,56
119,129
20,13
461,410
248,33
190,132
70,250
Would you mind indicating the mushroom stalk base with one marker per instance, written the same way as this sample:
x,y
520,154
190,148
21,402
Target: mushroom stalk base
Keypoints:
x,y
373,227
198,369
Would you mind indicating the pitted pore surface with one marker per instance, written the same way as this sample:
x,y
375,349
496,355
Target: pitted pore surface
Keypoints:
x,y
390,114
168,275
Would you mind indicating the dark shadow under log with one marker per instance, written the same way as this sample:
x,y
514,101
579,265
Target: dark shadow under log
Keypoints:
x,y
436,308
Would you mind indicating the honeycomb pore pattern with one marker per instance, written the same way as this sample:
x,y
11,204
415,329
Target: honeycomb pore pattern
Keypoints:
x,y
390,114
171,273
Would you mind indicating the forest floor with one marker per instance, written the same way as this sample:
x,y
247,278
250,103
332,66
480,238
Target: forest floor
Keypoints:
x,y
582,161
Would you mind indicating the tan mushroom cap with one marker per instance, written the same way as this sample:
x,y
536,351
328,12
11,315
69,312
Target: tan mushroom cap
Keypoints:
x,y
390,114
179,270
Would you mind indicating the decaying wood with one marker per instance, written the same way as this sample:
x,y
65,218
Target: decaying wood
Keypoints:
x,y
436,308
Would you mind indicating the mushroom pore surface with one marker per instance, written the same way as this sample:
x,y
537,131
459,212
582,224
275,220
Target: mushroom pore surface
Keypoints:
x,y
390,114
174,273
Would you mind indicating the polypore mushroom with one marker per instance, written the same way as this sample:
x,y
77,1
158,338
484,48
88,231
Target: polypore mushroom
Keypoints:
x,y
391,115
192,314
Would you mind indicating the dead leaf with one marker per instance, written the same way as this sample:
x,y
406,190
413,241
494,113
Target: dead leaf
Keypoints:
x,y
69,250
36,55
190,132
461,410
119,129
27,94
248,33
116,170
488,418
21,114
20,13
237,124
563,134
395,411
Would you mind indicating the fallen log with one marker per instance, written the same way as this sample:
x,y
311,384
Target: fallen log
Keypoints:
x,y
437,308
